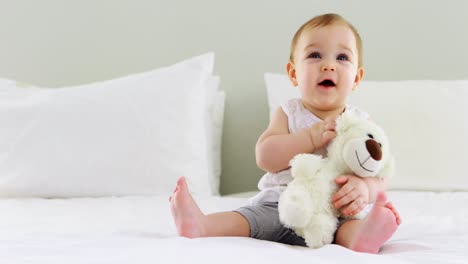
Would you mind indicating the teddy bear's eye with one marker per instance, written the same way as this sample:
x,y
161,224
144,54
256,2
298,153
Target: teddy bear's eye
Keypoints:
x,y
380,145
370,135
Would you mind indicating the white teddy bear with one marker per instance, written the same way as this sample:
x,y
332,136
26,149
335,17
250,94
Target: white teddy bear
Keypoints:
x,y
360,148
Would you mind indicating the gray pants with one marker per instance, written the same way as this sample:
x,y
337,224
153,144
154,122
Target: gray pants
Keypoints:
x,y
265,224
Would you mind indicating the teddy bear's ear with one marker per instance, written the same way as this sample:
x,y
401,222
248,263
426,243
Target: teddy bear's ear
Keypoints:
x,y
388,168
345,121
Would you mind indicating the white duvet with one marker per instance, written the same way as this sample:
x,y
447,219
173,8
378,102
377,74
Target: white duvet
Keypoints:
x,y
139,229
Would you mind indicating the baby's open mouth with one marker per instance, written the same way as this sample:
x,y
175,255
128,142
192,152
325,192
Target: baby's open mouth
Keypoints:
x,y
327,83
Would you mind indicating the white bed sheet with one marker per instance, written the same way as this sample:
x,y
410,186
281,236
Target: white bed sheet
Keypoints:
x,y
139,229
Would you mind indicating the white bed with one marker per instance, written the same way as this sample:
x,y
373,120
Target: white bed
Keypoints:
x,y
139,229
86,171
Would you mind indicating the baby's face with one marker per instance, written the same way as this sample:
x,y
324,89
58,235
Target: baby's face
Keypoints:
x,y
326,66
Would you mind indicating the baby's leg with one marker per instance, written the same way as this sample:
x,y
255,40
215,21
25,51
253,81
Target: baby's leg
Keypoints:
x,y
370,233
191,222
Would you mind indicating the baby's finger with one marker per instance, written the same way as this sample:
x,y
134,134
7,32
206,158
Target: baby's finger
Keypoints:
x,y
344,190
328,136
359,209
349,198
330,125
355,207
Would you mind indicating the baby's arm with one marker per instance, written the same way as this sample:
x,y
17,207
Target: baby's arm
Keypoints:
x,y
356,192
276,146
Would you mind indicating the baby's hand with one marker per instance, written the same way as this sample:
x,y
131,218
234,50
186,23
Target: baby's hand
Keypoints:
x,y
352,196
321,133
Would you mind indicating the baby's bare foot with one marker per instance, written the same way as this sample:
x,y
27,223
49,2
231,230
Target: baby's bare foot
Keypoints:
x,y
187,215
397,215
378,226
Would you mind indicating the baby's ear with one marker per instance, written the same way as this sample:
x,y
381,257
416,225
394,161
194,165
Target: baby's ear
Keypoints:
x,y
291,71
388,168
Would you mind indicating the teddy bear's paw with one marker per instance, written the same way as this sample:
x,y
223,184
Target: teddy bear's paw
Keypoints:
x,y
294,209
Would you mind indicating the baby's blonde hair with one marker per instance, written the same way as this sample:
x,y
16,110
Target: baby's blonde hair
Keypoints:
x,y
322,21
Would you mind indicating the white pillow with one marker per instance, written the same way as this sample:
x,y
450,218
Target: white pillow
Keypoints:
x,y
426,122
214,101
214,128
217,118
132,135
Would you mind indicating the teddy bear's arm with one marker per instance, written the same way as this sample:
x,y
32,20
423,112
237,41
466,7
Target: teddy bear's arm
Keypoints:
x,y
305,165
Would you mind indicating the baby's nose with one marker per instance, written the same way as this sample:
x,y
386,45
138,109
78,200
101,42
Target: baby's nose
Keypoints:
x,y
328,67
374,149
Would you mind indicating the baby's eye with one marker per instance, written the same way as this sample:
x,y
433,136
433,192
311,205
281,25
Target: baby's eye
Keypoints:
x,y
315,55
342,57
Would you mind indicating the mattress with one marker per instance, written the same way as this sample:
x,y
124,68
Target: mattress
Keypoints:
x,y
139,229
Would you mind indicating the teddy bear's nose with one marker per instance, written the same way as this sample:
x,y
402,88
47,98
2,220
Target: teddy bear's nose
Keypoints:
x,y
374,149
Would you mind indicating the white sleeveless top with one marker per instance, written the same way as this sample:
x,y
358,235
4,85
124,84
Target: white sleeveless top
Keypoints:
x,y
272,184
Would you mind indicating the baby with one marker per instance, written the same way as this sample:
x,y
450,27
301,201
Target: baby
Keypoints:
x,y
325,64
